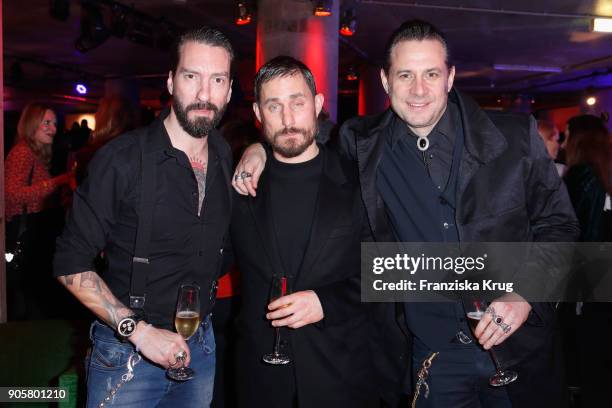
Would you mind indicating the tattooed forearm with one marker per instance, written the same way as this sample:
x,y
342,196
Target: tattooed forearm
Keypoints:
x,y
93,292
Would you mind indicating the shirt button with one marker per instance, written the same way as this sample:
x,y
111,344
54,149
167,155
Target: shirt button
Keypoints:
x,y
194,194
439,187
445,225
221,251
431,156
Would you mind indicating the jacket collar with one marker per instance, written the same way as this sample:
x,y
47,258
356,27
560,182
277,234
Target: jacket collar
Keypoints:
x,y
483,140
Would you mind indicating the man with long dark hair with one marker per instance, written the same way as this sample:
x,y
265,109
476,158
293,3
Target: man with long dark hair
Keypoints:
x,y
157,202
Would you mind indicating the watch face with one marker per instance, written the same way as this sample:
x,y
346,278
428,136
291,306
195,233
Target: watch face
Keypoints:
x,y
127,326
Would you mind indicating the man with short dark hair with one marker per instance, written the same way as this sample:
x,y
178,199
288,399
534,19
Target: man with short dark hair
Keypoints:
x,y
157,203
305,225
437,168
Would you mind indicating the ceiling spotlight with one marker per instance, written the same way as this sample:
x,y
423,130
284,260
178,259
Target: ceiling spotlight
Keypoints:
x,y
81,89
93,30
591,100
348,23
323,8
351,74
602,25
245,13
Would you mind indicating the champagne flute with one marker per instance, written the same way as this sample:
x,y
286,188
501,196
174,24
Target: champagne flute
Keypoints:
x,y
502,377
186,321
277,290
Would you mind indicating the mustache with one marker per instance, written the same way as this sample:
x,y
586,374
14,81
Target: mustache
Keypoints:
x,y
289,130
202,105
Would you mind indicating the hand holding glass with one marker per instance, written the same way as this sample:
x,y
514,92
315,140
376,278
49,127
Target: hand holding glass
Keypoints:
x,y
186,321
502,377
278,289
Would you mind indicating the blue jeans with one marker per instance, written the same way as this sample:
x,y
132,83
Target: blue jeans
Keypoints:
x,y
459,378
149,387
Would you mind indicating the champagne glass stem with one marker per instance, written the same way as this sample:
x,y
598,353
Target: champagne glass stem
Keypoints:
x,y
498,366
277,341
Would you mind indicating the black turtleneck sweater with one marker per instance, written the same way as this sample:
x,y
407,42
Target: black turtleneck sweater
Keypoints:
x,y
293,194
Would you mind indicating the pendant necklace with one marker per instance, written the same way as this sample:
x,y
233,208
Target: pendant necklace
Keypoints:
x,y
422,143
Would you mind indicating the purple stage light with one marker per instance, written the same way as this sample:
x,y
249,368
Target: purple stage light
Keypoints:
x,y
81,89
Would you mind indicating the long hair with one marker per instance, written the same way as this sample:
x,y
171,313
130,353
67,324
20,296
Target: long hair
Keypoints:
x,y
115,115
589,143
31,117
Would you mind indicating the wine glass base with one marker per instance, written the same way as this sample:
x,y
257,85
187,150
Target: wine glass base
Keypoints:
x,y
276,359
503,378
180,374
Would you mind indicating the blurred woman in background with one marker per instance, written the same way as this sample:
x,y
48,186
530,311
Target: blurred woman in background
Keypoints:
x,y
29,186
34,216
589,156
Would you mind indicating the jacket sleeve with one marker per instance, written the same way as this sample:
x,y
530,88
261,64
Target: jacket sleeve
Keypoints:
x,y
550,210
552,219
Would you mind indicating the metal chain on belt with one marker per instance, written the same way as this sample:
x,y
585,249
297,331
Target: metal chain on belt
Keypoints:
x,y
422,381
125,378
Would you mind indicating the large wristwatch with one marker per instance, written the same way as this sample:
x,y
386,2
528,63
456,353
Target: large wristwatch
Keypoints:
x,y
127,326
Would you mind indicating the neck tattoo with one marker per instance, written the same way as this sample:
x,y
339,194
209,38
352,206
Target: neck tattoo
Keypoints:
x,y
199,167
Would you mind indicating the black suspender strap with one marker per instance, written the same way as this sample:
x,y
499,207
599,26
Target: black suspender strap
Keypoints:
x,y
140,261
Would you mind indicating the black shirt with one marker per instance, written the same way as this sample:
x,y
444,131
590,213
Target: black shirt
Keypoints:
x,y
406,177
438,158
184,247
293,194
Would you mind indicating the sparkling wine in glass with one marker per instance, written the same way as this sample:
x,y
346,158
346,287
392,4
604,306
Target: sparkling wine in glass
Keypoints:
x,y
186,322
278,289
502,377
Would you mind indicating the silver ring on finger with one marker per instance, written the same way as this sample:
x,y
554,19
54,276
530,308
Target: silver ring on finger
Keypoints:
x,y
245,174
505,327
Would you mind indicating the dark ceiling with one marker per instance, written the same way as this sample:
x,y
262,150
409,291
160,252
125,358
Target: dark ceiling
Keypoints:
x,y
39,52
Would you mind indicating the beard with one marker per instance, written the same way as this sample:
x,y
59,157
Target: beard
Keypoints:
x,y
200,126
292,148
